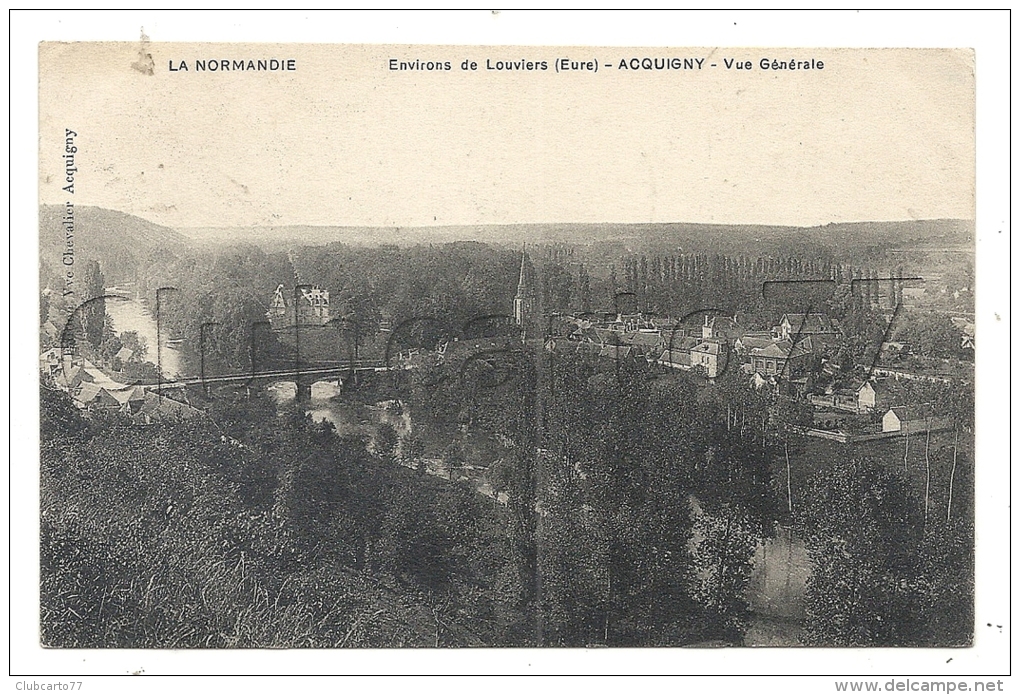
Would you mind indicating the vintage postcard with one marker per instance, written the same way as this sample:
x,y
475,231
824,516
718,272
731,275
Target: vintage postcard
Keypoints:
x,y
407,346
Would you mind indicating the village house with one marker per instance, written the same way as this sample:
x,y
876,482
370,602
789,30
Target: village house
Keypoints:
x,y
781,359
711,354
822,344
584,334
967,339
648,344
91,396
751,340
156,409
50,361
633,322
845,399
721,328
608,336
872,396
675,359
567,346
860,397
966,329
616,352
71,379
677,335
130,398
662,323
312,307
794,327
910,419
677,353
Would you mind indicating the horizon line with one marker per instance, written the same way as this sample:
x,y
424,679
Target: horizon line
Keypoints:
x,y
517,224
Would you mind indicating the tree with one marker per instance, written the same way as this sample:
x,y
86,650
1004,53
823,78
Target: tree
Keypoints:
x,y
791,414
723,555
862,333
386,440
862,529
615,529
557,287
358,315
93,313
411,451
59,418
961,406
424,533
584,289
44,308
134,342
945,583
929,334
453,457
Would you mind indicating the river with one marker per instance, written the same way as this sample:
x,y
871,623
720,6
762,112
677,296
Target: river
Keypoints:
x,y
776,591
131,315
348,417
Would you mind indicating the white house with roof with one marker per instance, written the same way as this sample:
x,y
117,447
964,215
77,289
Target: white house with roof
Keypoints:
x,y
311,302
909,419
712,355
872,395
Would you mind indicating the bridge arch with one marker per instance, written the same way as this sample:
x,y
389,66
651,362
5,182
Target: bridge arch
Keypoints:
x,y
286,389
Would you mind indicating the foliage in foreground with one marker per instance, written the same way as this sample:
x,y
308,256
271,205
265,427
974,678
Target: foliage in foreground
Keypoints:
x,y
881,575
180,535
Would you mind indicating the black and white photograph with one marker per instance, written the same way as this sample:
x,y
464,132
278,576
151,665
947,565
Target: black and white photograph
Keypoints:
x,y
458,348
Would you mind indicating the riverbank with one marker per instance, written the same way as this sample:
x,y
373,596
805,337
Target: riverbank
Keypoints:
x,y
130,315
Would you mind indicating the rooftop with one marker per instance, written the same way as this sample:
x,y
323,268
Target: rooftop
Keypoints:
x,y
913,412
783,349
808,323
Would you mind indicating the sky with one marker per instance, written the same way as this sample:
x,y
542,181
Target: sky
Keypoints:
x,y
343,140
